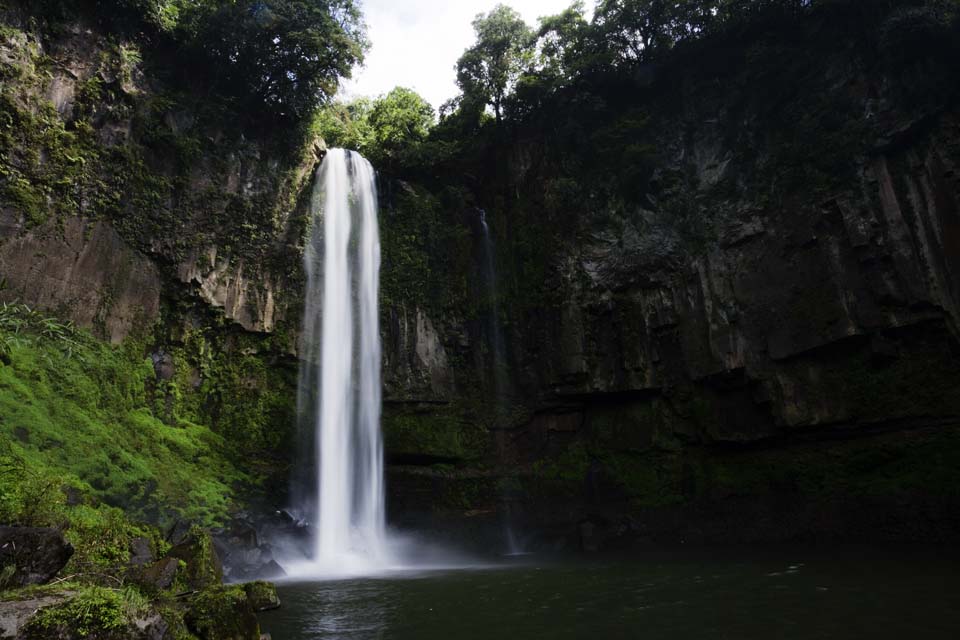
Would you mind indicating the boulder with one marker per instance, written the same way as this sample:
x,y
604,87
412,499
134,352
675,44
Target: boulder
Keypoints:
x,y
262,595
141,552
36,555
243,554
160,575
223,613
204,568
14,614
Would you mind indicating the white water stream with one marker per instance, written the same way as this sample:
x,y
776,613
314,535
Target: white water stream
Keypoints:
x,y
341,356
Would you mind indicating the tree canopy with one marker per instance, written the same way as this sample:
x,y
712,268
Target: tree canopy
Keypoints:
x,y
275,59
489,69
284,55
388,130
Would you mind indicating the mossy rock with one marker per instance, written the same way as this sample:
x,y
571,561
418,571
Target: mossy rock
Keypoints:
x,y
157,576
223,613
263,595
95,613
203,564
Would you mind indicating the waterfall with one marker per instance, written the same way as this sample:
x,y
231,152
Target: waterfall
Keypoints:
x,y
496,336
341,490
499,366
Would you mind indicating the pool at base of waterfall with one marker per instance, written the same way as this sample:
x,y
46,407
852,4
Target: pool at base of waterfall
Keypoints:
x,y
721,593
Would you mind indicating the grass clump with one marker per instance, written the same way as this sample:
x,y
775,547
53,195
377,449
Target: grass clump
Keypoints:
x,y
95,612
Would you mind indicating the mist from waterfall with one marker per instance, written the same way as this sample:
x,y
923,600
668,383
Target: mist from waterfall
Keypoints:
x,y
341,494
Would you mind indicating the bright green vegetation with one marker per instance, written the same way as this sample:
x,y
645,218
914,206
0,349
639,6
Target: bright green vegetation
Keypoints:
x,y
388,129
228,381
98,611
223,614
84,451
77,413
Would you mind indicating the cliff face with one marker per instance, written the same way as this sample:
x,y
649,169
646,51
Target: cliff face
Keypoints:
x,y
137,209
737,320
760,340
105,161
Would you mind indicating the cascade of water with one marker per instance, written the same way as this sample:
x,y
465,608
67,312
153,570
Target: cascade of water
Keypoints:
x,y
341,358
496,335
499,366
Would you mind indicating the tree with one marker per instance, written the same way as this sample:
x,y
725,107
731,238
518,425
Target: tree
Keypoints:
x,y
346,125
400,119
488,70
388,130
633,28
283,57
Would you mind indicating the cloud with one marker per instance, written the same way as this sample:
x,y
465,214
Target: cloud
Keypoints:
x,y
416,43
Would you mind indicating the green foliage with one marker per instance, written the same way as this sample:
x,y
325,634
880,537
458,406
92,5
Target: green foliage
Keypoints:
x,y
279,57
389,130
346,125
274,58
487,71
95,611
227,383
28,496
399,121
223,613
425,257
434,434
74,408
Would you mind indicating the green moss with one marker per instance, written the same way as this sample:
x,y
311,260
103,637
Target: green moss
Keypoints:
x,y
426,256
565,472
886,466
234,384
262,595
918,383
650,480
203,567
77,409
442,433
94,612
223,613
465,493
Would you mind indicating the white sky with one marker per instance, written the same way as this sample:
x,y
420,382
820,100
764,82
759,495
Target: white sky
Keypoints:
x,y
416,43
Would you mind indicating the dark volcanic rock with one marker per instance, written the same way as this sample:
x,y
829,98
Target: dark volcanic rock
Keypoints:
x,y
263,596
159,575
141,552
37,554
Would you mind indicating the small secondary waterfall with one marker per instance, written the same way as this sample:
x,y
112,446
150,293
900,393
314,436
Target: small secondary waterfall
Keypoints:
x,y
339,395
496,335
499,367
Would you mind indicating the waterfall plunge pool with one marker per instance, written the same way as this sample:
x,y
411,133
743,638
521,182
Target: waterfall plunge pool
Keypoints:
x,y
737,594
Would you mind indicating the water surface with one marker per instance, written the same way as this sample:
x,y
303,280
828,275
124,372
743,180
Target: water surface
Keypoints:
x,y
720,594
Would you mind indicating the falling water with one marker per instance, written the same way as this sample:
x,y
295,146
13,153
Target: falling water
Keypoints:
x,y
499,368
341,358
496,335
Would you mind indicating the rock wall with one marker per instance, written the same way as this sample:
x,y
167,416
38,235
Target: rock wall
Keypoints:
x,y
770,319
83,271
168,202
759,307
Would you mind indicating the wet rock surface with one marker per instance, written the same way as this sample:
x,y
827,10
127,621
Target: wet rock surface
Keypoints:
x,y
36,554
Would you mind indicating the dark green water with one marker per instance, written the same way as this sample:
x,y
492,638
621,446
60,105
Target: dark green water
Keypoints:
x,y
722,594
